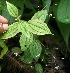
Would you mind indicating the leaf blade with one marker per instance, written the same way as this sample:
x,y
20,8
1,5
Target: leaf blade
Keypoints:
x,y
27,58
25,42
63,12
35,49
41,15
12,31
38,68
23,27
38,27
13,11
5,48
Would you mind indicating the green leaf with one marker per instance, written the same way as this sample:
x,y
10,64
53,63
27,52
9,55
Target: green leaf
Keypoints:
x,y
23,27
35,49
19,4
38,27
6,14
16,50
1,7
5,48
38,68
12,31
27,58
65,29
63,12
47,3
13,11
41,15
15,28
25,41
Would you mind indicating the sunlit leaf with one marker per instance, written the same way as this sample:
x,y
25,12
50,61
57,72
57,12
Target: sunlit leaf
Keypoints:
x,y
25,41
16,28
23,27
35,49
38,68
19,4
6,14
41,15
12,31
13,11
47,3
38,27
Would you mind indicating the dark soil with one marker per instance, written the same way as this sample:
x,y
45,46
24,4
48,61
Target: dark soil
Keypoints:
x,y
56,63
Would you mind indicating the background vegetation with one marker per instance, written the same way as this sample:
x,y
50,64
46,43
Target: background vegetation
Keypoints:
x,y
40,27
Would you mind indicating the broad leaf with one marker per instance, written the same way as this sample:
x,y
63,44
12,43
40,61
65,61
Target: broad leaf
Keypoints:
x,y
63,12
4,50
12,31
19,4
25,41
41,15
4,12
38,27
27,58
23,27
65,29
13,11
15,28
38,68
35,49
47,3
